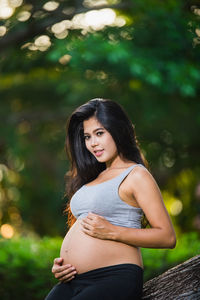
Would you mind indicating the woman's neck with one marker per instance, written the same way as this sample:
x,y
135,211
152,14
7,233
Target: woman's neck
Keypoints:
x,y
118,163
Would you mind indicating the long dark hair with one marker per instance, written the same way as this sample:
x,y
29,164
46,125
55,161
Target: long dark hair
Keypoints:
x,y
84,167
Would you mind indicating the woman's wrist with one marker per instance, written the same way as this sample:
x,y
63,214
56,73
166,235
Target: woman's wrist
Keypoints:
x,y
116,233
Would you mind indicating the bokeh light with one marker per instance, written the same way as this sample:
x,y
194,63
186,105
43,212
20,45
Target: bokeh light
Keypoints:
x,y
7,231
5,10
14,216
62,35
176,208
94,3
7,7
65,59
15,3
43,42
13,193
58,27
97,19
197,32
2,30
51,5
23,16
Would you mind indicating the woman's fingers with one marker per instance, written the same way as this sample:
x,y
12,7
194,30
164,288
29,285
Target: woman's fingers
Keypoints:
x,y
64,272
68,277
87,224
58,269
61,272
58,260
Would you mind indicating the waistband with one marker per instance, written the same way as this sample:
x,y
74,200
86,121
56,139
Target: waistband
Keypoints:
x,y
108,270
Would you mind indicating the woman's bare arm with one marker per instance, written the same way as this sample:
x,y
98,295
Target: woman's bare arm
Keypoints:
x,y
148,196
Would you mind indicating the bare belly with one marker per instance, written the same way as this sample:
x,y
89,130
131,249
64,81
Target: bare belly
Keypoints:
x,y
87,253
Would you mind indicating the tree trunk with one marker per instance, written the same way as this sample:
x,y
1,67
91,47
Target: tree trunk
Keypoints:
x,y
178,283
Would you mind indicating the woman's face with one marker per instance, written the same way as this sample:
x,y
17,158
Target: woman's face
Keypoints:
x,y
99,141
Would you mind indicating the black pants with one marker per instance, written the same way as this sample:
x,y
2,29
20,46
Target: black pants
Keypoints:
x,y
118,282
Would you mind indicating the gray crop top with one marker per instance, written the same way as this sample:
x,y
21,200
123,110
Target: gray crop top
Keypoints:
x,y
103,199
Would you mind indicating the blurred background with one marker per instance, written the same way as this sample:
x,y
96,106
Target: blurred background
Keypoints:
x,y
56,55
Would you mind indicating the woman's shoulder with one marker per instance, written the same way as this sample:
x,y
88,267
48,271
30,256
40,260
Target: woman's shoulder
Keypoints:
x,y
141,180
140,172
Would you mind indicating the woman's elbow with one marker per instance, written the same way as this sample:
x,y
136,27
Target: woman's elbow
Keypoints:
x,y
168,240
172,241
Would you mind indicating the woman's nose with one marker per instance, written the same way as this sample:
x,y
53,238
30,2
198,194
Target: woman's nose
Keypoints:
x,y
94,141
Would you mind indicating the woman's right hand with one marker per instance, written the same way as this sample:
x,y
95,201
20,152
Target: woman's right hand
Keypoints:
x,y
63,273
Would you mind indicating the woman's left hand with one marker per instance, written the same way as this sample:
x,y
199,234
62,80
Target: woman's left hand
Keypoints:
x,y
97,226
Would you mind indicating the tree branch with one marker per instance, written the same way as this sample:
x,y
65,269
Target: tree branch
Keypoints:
x,y
35,28
180,282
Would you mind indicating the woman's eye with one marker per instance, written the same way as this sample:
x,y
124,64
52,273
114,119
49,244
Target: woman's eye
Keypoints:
x,y
86,137
99,132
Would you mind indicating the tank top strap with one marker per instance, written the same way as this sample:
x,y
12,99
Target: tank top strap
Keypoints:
x,y
121,176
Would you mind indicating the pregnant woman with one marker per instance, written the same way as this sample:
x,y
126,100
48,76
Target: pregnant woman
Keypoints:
x,y
110,191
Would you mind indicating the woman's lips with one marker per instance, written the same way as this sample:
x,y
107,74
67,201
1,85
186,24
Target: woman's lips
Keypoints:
x,y
98,152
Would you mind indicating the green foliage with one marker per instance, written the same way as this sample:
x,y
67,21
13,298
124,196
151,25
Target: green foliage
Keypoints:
x,y
25,264
25,267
